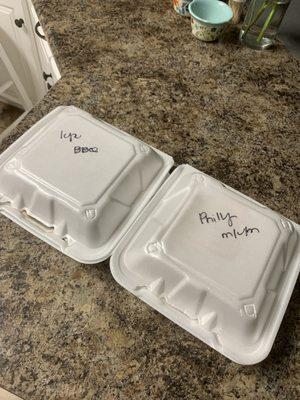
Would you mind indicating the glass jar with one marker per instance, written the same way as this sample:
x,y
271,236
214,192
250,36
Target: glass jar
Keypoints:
x,y
261,22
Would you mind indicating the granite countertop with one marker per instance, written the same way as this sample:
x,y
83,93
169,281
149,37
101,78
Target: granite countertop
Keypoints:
x,y
68,330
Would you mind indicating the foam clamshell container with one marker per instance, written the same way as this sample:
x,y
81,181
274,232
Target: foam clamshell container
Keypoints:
x,y
214,261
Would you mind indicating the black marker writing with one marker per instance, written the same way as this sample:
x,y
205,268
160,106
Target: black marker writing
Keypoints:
x,y
235,233
69,135
79,149
219,216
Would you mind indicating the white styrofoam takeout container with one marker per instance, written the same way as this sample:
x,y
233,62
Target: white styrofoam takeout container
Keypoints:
x,y
78,183
212,260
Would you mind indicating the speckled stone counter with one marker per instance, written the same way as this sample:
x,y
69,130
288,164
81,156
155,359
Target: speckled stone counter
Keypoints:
x,y
69,331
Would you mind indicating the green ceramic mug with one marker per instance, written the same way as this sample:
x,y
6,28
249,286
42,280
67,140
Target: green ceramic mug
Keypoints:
x,y
209,18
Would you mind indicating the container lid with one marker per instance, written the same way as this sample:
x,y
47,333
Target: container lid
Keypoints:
x,y
214,261
78,183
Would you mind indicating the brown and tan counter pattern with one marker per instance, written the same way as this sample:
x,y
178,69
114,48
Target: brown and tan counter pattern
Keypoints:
x,y
69,331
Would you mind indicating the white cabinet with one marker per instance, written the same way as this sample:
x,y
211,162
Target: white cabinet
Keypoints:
x,y
50,72
30,55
